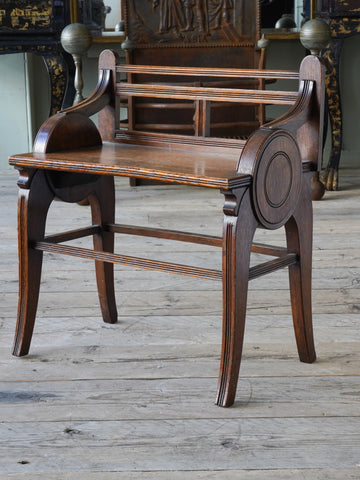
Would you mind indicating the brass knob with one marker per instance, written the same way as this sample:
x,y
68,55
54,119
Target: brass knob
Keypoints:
x,y
127,45
76,39
263,42
315,35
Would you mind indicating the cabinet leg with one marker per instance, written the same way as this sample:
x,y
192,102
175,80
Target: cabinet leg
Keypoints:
x,y
331,57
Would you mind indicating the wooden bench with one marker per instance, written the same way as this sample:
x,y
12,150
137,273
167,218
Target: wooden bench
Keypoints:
x,y
265,181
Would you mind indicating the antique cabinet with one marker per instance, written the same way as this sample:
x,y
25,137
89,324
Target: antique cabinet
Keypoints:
x,y
36,27
343,17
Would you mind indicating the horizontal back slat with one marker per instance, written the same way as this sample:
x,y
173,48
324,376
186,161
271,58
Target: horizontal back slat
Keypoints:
x,y
179,141
208,72
205,93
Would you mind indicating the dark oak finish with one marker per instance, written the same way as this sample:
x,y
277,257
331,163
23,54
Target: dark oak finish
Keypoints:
x,y
265,181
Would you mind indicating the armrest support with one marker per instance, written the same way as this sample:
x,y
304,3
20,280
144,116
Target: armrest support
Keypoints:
x,y
66,131
306,117
272,158
71,128
310,135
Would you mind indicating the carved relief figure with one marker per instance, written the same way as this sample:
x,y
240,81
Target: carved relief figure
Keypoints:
x,y
191,20
201,8
222,13
171,15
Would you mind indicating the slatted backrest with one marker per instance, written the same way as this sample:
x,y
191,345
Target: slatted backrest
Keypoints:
x,y
201,33
199,98
304,117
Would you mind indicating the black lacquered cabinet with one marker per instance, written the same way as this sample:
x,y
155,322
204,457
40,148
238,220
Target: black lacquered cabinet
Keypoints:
x,y
343,17
36,27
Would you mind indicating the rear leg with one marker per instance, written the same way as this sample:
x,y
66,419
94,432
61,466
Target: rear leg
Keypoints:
x,y
102,202
299,240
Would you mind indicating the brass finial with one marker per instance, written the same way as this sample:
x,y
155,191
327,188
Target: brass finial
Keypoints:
x,y
76,39
263,42
315,35
127,44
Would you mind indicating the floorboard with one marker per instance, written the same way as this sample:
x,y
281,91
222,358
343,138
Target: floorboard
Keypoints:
x,y
135,400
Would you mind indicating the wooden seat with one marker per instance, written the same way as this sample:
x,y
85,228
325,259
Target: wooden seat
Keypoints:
x,y
265,181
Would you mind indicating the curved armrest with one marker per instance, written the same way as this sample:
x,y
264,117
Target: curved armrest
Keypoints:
x,y
101,96
299,113
307,114
71,128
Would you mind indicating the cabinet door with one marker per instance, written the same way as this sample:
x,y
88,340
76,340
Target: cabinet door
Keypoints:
x,y
344,8
40,16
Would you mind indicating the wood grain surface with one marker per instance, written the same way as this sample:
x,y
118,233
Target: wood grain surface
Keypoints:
x,y
131,400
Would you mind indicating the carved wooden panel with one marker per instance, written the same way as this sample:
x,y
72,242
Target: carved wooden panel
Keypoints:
x,y
196,23
193,33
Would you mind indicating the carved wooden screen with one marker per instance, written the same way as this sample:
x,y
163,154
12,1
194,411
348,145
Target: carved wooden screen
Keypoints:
x,y
196,33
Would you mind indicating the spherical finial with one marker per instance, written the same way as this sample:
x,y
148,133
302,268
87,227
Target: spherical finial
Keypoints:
x,y
286,21
120,26
127,44
76,38
315,35
263,42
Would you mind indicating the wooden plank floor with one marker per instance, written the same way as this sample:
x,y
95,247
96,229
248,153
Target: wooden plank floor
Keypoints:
x,y
135,400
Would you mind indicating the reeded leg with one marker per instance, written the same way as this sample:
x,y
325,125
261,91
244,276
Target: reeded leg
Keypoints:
x,y
239,229
102,203
299,240
35,198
